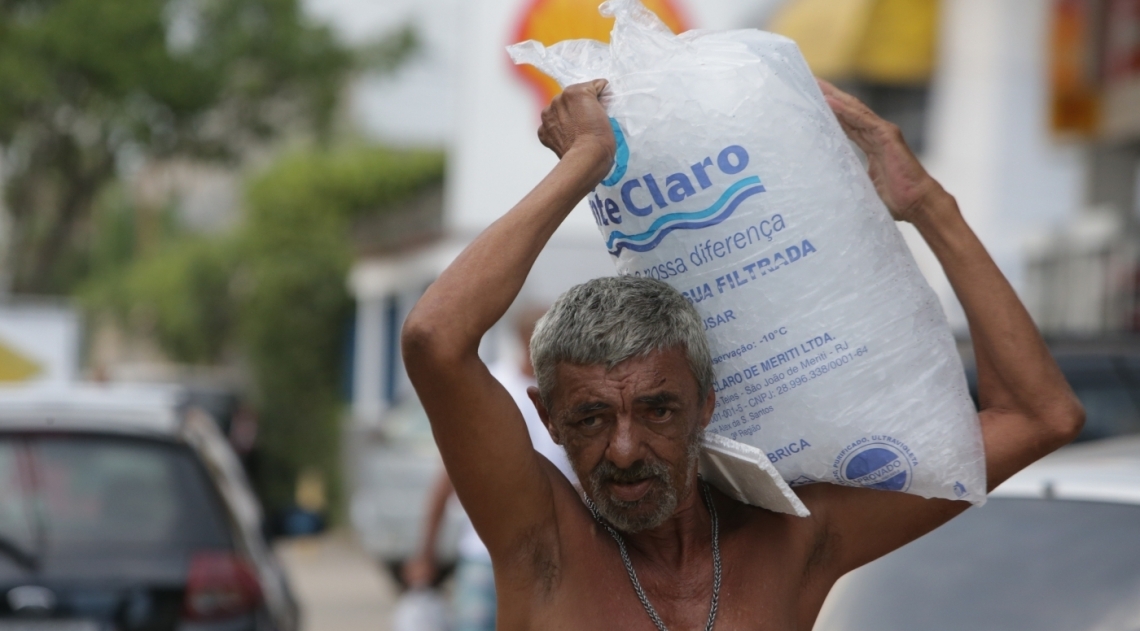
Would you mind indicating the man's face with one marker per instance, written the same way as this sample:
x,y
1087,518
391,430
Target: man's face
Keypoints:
x,y
631,433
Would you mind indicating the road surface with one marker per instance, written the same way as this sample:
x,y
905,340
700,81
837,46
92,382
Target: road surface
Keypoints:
x,y
339,587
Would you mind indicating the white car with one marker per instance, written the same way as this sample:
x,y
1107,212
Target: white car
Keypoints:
x,y
1056,548
393,470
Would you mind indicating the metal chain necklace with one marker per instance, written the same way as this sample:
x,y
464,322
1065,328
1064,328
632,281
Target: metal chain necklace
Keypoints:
x,y
633,575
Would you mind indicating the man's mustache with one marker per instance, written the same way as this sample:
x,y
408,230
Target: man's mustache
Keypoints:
x,y
608,472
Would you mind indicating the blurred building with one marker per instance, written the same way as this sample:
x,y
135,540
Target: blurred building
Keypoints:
x,y
883,51
415,104
971,82
494,159
1083,277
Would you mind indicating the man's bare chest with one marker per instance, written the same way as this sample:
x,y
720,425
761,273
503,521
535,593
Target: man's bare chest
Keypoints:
x,y
595,592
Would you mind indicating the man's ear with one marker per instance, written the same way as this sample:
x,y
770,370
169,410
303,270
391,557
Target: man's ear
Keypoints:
x,y
544,414
708,408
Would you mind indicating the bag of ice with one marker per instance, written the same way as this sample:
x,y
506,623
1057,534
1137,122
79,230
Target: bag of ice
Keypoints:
x,y
734,183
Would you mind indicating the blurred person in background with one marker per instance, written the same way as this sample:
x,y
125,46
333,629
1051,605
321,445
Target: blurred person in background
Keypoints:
x,y
474,605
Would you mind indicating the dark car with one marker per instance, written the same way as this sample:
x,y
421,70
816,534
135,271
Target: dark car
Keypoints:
x,y
1056,548
1105,375
121,510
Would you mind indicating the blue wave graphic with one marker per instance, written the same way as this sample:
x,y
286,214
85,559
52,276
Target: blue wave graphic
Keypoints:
x,y
621,156
691,216
688,225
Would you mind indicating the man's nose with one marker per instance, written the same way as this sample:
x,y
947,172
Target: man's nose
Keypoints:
x,y
625,446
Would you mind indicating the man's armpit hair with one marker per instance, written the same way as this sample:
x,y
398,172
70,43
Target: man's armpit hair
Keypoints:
x,y
536,556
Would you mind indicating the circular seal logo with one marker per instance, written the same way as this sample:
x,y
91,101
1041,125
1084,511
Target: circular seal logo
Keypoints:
x,y
877,466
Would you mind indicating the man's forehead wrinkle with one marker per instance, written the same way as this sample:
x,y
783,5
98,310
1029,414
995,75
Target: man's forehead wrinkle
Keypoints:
x,y
591,406
659,398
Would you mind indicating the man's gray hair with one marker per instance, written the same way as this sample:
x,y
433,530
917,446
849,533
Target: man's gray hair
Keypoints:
x,y
609,320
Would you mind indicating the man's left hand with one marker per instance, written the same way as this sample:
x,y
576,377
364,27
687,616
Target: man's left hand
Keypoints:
x,y
901,181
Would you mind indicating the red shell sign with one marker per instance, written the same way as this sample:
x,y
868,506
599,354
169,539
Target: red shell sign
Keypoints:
x,y
551,21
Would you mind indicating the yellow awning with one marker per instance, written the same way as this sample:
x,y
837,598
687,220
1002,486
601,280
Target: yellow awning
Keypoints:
x,y
884,41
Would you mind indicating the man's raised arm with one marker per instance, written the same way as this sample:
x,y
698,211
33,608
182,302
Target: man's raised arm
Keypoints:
x,y
480,432
1028,409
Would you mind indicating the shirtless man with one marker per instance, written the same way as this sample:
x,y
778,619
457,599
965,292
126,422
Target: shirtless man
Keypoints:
x,y
624,385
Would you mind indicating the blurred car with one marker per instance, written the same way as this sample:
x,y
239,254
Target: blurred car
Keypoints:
x,y
222,404
1056,548
394,469
1105,375
121,509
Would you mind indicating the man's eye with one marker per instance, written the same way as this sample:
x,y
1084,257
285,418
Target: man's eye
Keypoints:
x,y
660,412
590,421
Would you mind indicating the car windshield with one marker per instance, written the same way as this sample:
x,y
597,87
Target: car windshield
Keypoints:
x,y
94,495
1012,565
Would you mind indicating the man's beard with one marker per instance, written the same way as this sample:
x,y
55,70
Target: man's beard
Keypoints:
x,y
659,502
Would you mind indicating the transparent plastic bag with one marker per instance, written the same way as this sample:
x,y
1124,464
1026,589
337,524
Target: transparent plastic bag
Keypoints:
x,y
734,183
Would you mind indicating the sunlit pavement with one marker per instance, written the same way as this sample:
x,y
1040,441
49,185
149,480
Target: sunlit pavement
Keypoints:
x,y
338,586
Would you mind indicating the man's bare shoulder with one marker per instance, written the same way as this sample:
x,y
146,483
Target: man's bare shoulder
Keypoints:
x,y
855,526
785,561
763,529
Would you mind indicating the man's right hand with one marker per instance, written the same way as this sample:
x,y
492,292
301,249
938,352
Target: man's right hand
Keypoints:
x,y
576,119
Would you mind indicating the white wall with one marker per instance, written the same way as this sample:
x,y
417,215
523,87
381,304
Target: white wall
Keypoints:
x,y
990,144
415,105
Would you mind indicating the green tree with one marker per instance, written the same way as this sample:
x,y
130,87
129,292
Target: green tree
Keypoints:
x,y
275,291
295,305
87,86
